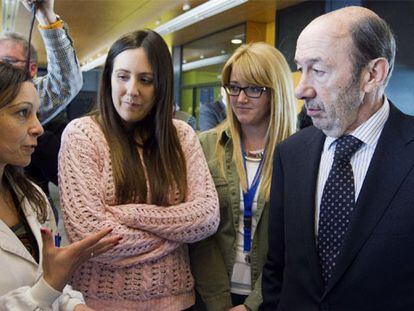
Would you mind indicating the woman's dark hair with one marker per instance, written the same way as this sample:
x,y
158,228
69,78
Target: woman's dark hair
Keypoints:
x,y
162,154
11,79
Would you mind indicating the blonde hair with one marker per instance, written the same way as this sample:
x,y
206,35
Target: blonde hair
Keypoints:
x,y
263,65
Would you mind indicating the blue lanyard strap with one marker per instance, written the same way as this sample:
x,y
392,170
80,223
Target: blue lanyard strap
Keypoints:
x,y
248,198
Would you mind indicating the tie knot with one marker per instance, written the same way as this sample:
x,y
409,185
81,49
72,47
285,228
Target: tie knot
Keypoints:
x,y
346,146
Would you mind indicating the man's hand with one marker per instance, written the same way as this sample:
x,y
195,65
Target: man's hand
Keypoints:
x,y
60,262
45,13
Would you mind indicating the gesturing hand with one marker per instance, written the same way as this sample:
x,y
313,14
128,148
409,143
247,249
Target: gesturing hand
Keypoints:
x,y
59,263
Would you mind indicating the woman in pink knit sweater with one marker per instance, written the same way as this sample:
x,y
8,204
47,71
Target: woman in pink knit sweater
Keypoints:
x,y
131,167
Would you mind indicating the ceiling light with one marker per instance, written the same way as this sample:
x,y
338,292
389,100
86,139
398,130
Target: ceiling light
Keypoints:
x,y
186,6
99,61
10,9
206,62
236,41
200,12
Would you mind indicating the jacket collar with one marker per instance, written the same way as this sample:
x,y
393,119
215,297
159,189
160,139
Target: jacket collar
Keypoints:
x,y
9,242
225,136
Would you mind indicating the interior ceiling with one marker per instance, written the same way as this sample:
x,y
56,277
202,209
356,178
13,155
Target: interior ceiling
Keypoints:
x,y
95,24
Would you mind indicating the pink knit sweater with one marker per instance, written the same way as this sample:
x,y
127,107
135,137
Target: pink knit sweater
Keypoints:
x,y
149,269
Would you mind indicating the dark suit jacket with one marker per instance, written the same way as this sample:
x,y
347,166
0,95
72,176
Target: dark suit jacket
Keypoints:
x,y
375,270
211,115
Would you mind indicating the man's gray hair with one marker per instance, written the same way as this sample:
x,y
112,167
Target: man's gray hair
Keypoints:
x,y
372,38
19,39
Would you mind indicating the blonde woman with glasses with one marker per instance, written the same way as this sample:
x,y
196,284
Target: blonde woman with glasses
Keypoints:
x,y
261,113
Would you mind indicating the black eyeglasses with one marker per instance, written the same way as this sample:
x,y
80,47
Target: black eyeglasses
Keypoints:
x,y
13,61
249,91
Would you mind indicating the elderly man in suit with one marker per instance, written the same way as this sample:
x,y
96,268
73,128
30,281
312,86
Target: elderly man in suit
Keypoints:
x,y
341,226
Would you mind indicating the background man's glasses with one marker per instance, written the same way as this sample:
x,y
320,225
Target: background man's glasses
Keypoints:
x,y
13,61
249,91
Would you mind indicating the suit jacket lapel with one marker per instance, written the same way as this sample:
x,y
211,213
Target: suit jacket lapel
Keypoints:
x,y
308,163
391,162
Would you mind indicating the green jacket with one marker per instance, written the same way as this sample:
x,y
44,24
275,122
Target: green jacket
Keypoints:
x,y
212,259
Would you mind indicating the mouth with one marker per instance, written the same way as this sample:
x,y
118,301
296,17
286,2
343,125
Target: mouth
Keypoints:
x,y
312,110
30,148
243,108
134,106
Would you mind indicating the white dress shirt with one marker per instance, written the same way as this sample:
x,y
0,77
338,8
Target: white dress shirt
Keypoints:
x,y
369,133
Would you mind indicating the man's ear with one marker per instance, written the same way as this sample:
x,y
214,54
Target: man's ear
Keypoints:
x,y
32,70
375,74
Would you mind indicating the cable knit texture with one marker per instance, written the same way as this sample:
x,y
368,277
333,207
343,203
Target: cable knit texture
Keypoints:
x,y
149,269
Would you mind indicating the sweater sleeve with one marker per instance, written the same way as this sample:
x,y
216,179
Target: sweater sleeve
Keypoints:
x,y
82,186
190,221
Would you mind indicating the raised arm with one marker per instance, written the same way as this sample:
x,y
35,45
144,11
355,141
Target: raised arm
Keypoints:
x,y
64,77
190,221
83,182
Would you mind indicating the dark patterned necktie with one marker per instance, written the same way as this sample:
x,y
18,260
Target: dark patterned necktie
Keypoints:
x,y
337,204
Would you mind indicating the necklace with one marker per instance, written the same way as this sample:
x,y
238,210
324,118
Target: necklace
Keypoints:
x,y
254,156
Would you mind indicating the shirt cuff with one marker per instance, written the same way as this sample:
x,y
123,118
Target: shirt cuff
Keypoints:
x,y
43,294
71,298
55,25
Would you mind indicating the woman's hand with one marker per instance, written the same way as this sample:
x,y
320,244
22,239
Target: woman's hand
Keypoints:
x,y
82,308
239,308
60,262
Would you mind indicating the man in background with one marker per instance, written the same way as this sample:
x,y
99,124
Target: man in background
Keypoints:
x,y
212,114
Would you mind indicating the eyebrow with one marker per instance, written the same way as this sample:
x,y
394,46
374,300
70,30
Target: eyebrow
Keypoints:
x,y
310,61
128,71
13,106
21,103
118,70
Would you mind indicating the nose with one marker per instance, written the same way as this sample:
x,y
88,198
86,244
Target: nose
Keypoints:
x,y
242,98
36,128
304,90
132,87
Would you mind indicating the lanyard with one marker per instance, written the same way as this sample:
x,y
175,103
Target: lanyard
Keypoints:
x,y
248,198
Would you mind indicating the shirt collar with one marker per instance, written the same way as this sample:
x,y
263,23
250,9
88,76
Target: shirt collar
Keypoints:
x,y
369,131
